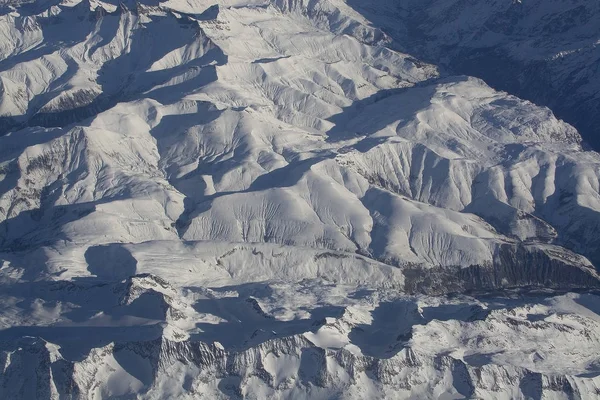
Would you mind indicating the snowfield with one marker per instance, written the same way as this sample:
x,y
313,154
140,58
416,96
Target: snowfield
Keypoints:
x,y
269,199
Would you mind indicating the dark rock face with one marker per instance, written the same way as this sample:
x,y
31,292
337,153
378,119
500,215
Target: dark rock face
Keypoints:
x,y
513,267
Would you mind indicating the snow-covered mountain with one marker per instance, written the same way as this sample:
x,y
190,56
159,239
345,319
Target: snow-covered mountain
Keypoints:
x,y
269,199
546,51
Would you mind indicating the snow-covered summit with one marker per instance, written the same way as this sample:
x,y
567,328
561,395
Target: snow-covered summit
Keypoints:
x,y
545,51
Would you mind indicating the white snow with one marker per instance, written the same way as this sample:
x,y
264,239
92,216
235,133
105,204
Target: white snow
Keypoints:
x,y
266,199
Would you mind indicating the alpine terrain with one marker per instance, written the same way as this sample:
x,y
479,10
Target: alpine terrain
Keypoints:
x,y
299,199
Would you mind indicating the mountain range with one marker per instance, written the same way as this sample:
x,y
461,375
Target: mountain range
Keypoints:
x,y
299,199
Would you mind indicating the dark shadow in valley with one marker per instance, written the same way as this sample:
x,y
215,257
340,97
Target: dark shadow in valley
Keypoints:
x,y
392,324
591,301
244,324
389,330
77,341
98,316
110,262
368,116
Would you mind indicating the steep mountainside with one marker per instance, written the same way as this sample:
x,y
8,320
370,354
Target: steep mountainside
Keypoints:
x,y
268,199
546,51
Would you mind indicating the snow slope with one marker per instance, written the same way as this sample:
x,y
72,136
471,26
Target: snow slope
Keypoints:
x,y
545,51
267,199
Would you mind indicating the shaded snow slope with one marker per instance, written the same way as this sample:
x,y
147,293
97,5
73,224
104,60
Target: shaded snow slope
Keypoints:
x,y
544,51
267,199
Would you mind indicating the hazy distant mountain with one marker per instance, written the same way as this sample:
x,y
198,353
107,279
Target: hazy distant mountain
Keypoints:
x,y
546,51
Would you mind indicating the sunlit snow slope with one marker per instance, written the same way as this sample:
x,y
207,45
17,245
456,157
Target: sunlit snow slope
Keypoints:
x,y
262,199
